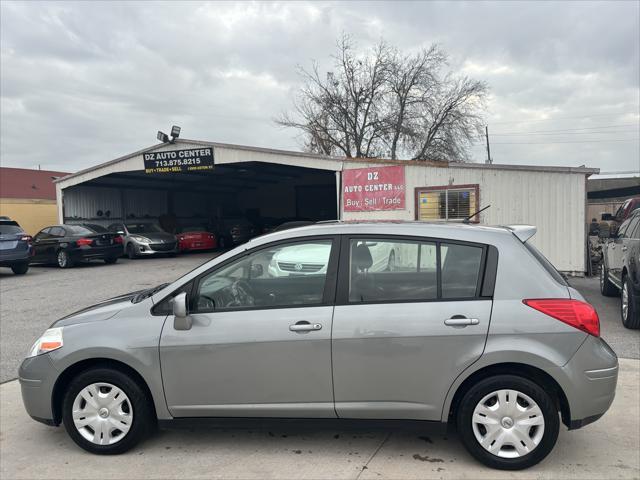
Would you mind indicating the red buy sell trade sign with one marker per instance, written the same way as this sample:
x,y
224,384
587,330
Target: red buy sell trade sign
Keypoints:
x,y
380,188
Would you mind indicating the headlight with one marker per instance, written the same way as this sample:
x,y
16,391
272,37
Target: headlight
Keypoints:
x,y
141,239
49,341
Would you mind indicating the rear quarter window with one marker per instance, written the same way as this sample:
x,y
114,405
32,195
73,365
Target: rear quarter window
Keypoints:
x,y
548,266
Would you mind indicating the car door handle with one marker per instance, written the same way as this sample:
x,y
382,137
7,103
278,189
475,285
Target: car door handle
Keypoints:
x,y
624,248
305,326
461,321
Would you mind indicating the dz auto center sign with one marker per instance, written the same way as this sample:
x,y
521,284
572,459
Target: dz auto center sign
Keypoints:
x,y
190,160
380,188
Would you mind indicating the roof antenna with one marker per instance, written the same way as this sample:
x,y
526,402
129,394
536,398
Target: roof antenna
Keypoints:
x,y
467,220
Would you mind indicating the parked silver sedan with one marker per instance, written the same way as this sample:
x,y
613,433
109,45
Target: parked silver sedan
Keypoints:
x,y
145,238
472,327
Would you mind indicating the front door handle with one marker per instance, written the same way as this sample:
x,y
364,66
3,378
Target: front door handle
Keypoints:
x,y
458,321
624,248
304,326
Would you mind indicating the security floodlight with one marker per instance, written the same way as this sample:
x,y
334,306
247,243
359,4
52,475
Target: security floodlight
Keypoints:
x,y
163,137
175,131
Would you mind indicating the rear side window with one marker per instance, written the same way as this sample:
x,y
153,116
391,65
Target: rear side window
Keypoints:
x,y
460,270
406,270
388,270
548,266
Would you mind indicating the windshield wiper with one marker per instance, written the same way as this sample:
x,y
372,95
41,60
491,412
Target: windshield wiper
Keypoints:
x,y
147,293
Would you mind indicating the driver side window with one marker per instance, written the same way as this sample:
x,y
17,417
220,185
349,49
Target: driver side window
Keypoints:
x,y
284,275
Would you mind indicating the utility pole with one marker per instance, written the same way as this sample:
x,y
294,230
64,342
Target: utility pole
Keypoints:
x,y
486,132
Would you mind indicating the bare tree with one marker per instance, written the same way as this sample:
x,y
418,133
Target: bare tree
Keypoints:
x,y
386,103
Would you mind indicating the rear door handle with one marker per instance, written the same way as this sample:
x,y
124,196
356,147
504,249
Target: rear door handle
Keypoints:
x,y
461,322
304,326
624,249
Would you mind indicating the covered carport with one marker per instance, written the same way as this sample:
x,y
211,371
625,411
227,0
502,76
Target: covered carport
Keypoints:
x,y
261,186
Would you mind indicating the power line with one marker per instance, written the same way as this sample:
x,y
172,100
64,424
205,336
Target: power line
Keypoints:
x,y
598,132
512,122
571,129
568,141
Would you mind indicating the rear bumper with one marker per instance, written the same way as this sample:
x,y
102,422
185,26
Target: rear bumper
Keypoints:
x,y
589,381
9,259
197,244
96,253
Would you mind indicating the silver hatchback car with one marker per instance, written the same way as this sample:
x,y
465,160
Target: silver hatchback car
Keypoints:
x,y
470,326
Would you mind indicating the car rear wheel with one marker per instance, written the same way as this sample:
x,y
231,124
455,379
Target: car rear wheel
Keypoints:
x,y
63,259
20,268
508,422
629,306
607,288
106,412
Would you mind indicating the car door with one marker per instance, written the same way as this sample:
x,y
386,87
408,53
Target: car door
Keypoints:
x,y
615,254
260,341
403,333
42,243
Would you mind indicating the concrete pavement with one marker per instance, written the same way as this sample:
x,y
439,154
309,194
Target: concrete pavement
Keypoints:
x,y
609,448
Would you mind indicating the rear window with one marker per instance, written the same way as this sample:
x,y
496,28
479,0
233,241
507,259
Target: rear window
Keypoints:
x,y
95,228
77,230
8,228
548,266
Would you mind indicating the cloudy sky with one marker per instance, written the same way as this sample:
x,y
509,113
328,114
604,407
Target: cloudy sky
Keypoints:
x,y
82,83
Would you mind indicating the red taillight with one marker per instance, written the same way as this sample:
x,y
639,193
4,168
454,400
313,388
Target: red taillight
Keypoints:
x,y
578,314
117,239
84,241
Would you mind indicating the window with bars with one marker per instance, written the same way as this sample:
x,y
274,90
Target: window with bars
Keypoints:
x,y
450,203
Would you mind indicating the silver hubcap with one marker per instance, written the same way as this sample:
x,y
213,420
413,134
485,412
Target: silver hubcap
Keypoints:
x,y
102,413
62,259
508,424
625,300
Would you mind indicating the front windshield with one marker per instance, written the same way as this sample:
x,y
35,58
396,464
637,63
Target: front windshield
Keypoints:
x,y
143,227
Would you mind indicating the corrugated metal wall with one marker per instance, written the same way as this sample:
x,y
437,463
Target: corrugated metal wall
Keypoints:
x,y
552,201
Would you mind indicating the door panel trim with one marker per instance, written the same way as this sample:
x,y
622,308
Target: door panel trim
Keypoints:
x,y
281,410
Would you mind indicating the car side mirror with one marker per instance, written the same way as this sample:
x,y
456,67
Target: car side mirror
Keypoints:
x,y
182,320
256,270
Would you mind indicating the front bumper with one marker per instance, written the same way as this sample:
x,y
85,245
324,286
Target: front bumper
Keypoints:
x,y
155,248
37,377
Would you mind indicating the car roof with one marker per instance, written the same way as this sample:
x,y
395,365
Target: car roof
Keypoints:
x,y
450,230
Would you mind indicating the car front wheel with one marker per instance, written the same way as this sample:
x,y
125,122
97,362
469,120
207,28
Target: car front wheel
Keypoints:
x,y
106,412
508,422
629,305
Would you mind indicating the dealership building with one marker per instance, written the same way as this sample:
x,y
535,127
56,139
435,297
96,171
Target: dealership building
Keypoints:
x,y
197,181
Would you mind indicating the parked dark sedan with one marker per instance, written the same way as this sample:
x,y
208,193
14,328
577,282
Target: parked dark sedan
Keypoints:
x,y
15,247
66,245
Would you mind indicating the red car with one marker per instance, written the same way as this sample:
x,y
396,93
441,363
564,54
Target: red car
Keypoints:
x,y
195,238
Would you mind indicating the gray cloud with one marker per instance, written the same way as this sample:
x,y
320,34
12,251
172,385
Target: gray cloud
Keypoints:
x,y
85,82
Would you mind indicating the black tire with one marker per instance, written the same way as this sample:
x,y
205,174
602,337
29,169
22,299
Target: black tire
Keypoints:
x,y
110,260
131,251
20,268
632,318
143,414
63,260
607,288
522,385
